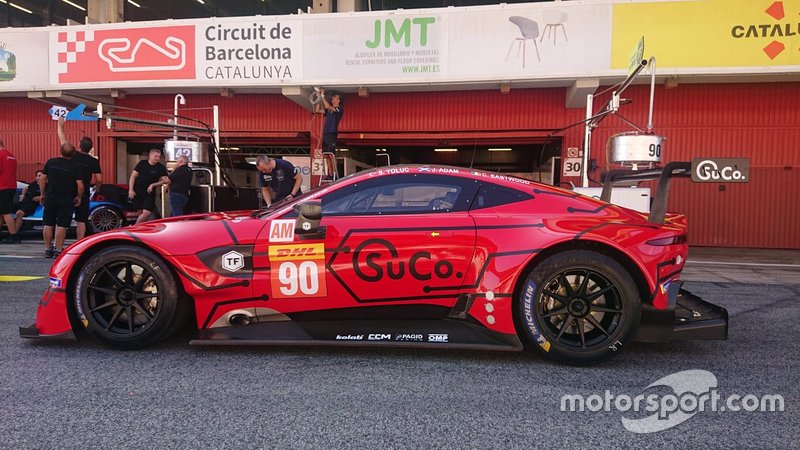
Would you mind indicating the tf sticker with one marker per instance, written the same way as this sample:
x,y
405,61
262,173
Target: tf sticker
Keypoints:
x,y
282,230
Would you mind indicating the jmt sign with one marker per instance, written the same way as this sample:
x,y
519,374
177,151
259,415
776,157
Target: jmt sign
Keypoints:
x,y
403,33
720,170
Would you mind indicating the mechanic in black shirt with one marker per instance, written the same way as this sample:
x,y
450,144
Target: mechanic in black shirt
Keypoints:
x,y
179,182
148,175
28,201
277,179
91,176
62,185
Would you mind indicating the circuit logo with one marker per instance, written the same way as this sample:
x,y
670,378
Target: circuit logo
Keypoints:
x,y
774,30
123,54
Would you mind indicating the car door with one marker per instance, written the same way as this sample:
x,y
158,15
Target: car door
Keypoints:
x,y
398,240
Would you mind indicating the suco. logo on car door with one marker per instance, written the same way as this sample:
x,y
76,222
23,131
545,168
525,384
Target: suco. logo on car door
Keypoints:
x,y
297,270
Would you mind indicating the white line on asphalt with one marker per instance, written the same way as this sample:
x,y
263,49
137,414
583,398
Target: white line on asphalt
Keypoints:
x,y
725,263
18,256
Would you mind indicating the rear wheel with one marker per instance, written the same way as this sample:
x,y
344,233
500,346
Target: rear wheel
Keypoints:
x,y
579,307
127,297
104,218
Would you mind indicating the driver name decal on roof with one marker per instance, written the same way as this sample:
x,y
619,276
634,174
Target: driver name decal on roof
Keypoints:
x,y
297,271
389,171
282,230
450,170
497,176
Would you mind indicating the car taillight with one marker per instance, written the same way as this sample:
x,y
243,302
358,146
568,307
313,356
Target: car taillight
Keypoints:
x,y
671,240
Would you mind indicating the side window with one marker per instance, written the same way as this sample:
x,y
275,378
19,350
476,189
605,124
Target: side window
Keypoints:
x,y
402,194
490,195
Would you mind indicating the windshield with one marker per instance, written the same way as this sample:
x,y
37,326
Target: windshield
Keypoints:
x,y
278,205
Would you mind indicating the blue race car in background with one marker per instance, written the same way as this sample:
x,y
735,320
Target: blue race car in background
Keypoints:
x,y
109,208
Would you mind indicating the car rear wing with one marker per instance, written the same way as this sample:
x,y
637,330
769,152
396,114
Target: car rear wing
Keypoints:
x,y
658,209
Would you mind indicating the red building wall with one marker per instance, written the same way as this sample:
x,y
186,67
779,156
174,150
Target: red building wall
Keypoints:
x,y
756,121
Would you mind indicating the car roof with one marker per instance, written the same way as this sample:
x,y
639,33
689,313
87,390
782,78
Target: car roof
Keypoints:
x,y
464,172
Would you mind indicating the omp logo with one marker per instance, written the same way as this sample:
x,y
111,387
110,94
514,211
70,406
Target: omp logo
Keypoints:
x,y
438,338
112,51
769,30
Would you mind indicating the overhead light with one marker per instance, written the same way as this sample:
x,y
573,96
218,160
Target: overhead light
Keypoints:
x,y
4,1
14,5
201,2
134,3
445,149
344,149
74,4
229,148
499,149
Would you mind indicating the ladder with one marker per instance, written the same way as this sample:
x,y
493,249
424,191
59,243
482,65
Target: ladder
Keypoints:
x,y
329,175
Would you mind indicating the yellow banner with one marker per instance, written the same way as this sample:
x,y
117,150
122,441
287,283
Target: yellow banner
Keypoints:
x,y
709,33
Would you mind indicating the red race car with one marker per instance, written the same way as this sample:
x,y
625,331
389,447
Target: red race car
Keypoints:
x,y
424,256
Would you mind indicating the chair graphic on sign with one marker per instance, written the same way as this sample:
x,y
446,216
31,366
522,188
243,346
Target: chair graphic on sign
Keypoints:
x,y
530,31
554,20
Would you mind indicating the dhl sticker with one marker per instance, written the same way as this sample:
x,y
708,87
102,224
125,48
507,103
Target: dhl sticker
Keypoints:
x,y
296,252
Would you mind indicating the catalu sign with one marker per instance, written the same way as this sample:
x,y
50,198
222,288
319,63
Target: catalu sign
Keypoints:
x,y
241,51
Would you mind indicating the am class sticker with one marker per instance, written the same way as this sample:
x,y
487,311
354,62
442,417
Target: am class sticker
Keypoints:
x,y
282,230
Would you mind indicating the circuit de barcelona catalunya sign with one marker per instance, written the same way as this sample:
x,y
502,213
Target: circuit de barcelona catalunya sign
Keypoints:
x,y
245,51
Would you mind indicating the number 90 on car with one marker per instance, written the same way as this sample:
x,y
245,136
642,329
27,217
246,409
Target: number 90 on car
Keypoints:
x,y
297,271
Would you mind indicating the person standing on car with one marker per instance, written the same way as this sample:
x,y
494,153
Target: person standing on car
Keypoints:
x,y
277,179
146,177
92,176
8,188
179,182
28,201
62,184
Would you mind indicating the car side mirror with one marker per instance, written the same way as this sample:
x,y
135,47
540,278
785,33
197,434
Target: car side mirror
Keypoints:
x,y
309,215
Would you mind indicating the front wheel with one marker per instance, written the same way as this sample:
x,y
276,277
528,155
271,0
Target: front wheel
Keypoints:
x,y
127,298
579,307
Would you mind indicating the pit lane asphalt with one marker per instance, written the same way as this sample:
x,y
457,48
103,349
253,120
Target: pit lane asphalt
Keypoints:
x,y
82,395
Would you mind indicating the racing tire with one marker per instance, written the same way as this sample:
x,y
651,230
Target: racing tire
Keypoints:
x,y
127,297
579,307
104,218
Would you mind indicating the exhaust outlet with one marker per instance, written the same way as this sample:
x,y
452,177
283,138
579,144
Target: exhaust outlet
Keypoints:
x,y
239,320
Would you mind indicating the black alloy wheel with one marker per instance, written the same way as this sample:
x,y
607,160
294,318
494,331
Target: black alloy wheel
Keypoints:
x,y
127,297
579,307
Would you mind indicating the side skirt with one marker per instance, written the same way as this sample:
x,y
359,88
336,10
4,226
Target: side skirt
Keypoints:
x,y
446,333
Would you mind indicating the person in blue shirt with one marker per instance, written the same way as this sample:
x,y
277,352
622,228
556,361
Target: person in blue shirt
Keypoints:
x,y
330,132
278,179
